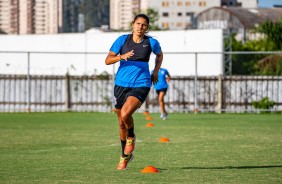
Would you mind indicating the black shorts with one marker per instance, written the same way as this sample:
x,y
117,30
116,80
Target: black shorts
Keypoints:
x,y
163,90
122,93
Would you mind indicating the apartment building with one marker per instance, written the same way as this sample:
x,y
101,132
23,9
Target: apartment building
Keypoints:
x,y
31,16
122,13
9,17
248,3
173,14
179,14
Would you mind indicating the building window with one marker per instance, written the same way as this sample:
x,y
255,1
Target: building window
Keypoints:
x,y
165,25
188,3
179,3
187,25
179,14
202,3
165,4
179,24
165,14
189,14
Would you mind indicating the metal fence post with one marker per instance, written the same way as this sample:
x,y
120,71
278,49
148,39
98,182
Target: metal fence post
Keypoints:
x,y
195,89
67,92
219,95
28,84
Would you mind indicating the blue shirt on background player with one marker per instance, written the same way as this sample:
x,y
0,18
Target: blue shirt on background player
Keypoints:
x,y
163,76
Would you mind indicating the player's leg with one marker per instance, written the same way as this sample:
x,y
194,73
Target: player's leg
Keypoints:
x,y
161,103
124,159
126,124
129,107
135,98
122,131
120,97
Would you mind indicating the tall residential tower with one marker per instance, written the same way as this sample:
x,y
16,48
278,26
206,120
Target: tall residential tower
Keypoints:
x,y
122,13
31,16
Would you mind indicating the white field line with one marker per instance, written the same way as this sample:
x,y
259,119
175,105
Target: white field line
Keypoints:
x,y
75,148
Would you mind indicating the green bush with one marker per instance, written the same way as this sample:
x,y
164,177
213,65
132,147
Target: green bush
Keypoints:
x,y
265,103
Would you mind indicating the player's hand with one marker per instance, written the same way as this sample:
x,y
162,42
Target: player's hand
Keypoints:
x,y
154,78
127,55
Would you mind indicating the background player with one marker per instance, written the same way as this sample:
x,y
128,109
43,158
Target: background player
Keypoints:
x,y
161,89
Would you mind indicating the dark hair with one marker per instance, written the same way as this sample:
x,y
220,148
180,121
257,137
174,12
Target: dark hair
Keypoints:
x,y
142,16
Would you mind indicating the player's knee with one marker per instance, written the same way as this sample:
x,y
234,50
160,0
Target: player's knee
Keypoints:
x,y
125,117
122,126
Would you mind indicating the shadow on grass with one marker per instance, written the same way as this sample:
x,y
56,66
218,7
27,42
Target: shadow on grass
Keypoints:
x,y
225,167
237,167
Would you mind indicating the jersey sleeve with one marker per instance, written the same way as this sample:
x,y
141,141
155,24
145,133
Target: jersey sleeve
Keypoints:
x,y
155,45
166,72
116,47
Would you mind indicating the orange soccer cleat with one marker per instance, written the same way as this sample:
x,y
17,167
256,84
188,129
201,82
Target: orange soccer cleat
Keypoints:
x,y
130,144
122,165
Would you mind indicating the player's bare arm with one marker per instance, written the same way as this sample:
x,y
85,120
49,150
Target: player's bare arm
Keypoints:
x,y
168,78
158,63
113,57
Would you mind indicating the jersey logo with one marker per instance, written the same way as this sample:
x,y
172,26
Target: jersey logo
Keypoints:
x,y
145,45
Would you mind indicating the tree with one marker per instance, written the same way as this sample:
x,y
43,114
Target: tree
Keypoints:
x,y
245,64
270,65
273,33
154,17
259,64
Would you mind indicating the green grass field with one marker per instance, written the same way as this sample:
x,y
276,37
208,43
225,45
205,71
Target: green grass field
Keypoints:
x,y
85,148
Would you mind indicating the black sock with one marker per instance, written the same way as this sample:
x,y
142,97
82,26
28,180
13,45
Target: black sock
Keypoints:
x,y
123,143
130,132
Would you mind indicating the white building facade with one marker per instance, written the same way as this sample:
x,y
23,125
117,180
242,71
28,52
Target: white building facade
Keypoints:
x,y
179,14
248,3
8,16
122,13
31,16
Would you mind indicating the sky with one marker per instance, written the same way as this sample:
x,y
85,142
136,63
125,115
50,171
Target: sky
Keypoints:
x,y
269,3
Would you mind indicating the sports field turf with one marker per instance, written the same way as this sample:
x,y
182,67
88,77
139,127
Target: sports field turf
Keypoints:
x,y
85,148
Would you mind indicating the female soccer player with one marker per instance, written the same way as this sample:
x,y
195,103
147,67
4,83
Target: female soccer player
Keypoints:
x,y
133,80
161,89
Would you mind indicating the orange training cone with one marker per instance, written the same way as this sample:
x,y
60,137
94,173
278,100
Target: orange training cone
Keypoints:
x,y
146,113
164,139
149,118
149,125
149,169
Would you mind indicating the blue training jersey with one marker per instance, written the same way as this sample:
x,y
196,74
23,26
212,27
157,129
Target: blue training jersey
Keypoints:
x,y
135,71
162,83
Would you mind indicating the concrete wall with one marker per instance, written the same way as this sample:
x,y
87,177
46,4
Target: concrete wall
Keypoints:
x,y
97,45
